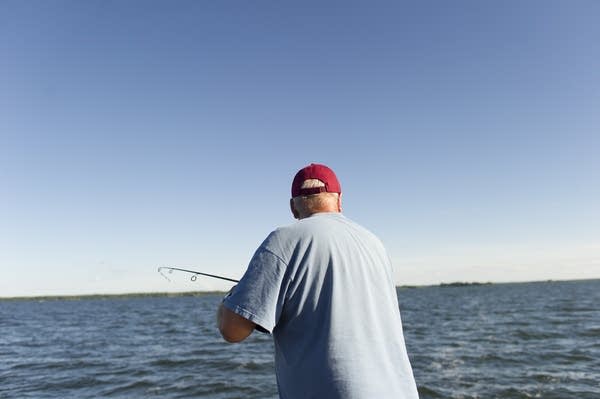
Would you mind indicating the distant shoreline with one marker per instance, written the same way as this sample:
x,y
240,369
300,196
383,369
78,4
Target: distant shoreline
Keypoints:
x,y
111,296
205,293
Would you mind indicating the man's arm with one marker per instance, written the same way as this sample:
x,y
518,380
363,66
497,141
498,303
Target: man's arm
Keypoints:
x,y
233,327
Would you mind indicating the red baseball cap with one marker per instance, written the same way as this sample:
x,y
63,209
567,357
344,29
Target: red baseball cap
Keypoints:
x,y
315,171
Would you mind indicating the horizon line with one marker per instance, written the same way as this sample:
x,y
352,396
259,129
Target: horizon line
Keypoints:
x,y
214,292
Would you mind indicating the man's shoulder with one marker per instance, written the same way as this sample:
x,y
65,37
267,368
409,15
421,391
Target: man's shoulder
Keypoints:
x,y
321,226
318,222
284,239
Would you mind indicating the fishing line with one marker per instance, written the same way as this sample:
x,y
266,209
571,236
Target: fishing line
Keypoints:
x,y
195,274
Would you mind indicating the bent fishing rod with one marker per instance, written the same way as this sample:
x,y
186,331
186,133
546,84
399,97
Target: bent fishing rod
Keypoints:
x,y
194,272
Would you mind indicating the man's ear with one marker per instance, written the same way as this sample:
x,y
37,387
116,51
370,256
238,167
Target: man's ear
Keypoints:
x,y
340,202
293,209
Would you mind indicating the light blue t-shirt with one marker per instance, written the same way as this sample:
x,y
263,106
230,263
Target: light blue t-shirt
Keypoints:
x,y
324,288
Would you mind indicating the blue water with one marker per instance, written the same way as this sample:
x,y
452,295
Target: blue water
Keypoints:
x,y
492,341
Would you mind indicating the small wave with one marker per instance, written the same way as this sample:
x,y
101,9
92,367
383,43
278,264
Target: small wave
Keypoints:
x,y
56,365
591,332
129,387
168,363
513,393
535,335
71,383
545,378
578,357
572,309
428,392
251,365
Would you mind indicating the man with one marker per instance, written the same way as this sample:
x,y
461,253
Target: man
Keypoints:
x,y
323,287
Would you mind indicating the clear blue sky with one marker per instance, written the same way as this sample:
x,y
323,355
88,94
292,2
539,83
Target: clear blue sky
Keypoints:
x,y
466,135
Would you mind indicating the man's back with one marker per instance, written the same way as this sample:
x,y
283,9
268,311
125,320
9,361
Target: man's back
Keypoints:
x,y
332,309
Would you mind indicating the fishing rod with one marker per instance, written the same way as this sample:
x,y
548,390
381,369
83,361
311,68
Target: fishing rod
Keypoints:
x,y
195,274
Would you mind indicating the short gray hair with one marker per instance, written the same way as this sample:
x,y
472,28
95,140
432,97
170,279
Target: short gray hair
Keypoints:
x,y
313,203
312,183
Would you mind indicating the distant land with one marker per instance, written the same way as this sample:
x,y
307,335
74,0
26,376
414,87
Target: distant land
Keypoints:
x,y
111,296
204,293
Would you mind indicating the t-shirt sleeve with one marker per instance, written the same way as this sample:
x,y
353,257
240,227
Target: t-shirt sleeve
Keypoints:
x,y
260,294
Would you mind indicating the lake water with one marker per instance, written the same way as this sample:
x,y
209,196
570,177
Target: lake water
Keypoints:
x,y
534,340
